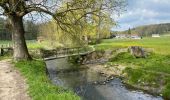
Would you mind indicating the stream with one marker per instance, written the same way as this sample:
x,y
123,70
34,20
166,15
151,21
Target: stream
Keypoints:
x,y
81,82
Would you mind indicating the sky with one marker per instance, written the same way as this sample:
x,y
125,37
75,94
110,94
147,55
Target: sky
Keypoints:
x,y
143,12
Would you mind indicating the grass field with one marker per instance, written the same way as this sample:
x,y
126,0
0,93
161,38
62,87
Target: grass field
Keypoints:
x,y
160,45
153,71
32,44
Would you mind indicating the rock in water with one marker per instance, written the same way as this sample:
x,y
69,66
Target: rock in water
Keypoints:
x,y
137,51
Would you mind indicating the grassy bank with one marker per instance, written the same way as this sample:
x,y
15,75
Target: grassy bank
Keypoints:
x,y
151,73
40,87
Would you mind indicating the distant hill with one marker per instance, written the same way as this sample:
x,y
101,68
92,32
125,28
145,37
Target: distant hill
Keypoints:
x,y
148,30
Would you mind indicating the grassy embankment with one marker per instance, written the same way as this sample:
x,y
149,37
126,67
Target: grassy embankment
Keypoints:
x,y
153,71
40,87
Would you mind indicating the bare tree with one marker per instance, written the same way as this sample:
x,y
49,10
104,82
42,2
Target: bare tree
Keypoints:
x,y
15,10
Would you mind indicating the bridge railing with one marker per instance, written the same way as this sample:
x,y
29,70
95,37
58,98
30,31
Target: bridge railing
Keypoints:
x,y
59,52
5,48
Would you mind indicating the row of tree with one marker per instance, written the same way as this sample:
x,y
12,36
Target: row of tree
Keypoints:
x,y
90,32
31,30
148,30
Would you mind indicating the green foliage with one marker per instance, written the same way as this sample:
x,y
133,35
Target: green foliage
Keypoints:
x,y
40,87
166,91
76,19
129,31
31,30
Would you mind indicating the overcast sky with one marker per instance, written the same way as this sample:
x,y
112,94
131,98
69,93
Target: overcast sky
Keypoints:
x,y
144,12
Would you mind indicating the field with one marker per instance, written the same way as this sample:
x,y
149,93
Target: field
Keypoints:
x,y
153,71
160,45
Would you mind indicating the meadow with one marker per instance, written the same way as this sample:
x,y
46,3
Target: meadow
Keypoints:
x,y
159,45
152,72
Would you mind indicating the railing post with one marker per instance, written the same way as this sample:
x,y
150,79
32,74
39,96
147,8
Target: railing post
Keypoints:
x,y
67,51
78,50
2,51
56,53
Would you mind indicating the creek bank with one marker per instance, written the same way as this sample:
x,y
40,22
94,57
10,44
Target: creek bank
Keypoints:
x,y
110,70
117,71
92,85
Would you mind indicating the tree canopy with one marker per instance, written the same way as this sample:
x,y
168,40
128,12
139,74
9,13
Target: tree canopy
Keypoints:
x,y
68,15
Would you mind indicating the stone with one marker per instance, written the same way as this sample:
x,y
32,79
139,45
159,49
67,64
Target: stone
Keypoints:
x,y
137,51
95,82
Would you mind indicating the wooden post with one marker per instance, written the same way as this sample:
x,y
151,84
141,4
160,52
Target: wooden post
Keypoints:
x,y
2,51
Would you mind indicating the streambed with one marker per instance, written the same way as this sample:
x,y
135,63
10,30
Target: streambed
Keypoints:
x,y
82,83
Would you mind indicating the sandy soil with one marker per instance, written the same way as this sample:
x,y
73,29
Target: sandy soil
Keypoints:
x,y
12,84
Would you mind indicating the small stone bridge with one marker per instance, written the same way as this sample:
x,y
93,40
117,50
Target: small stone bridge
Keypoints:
x,y
65,52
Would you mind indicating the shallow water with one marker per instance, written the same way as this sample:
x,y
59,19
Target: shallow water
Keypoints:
x,y
81,83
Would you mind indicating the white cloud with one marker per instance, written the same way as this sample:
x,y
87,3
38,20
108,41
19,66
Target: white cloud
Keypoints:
x,y
144,12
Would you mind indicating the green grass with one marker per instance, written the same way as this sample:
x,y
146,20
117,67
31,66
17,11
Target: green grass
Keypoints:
x,y
40,87
160,45
32,44
153,71
5,57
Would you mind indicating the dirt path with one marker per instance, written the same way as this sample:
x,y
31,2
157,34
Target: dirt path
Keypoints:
x,y
12,85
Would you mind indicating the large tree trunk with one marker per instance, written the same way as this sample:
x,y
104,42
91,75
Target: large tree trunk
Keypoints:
x,y
20,47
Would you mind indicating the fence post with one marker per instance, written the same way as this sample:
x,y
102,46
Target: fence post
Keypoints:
x,y
2,51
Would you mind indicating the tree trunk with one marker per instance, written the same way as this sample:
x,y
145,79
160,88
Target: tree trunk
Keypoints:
x,y
20,47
